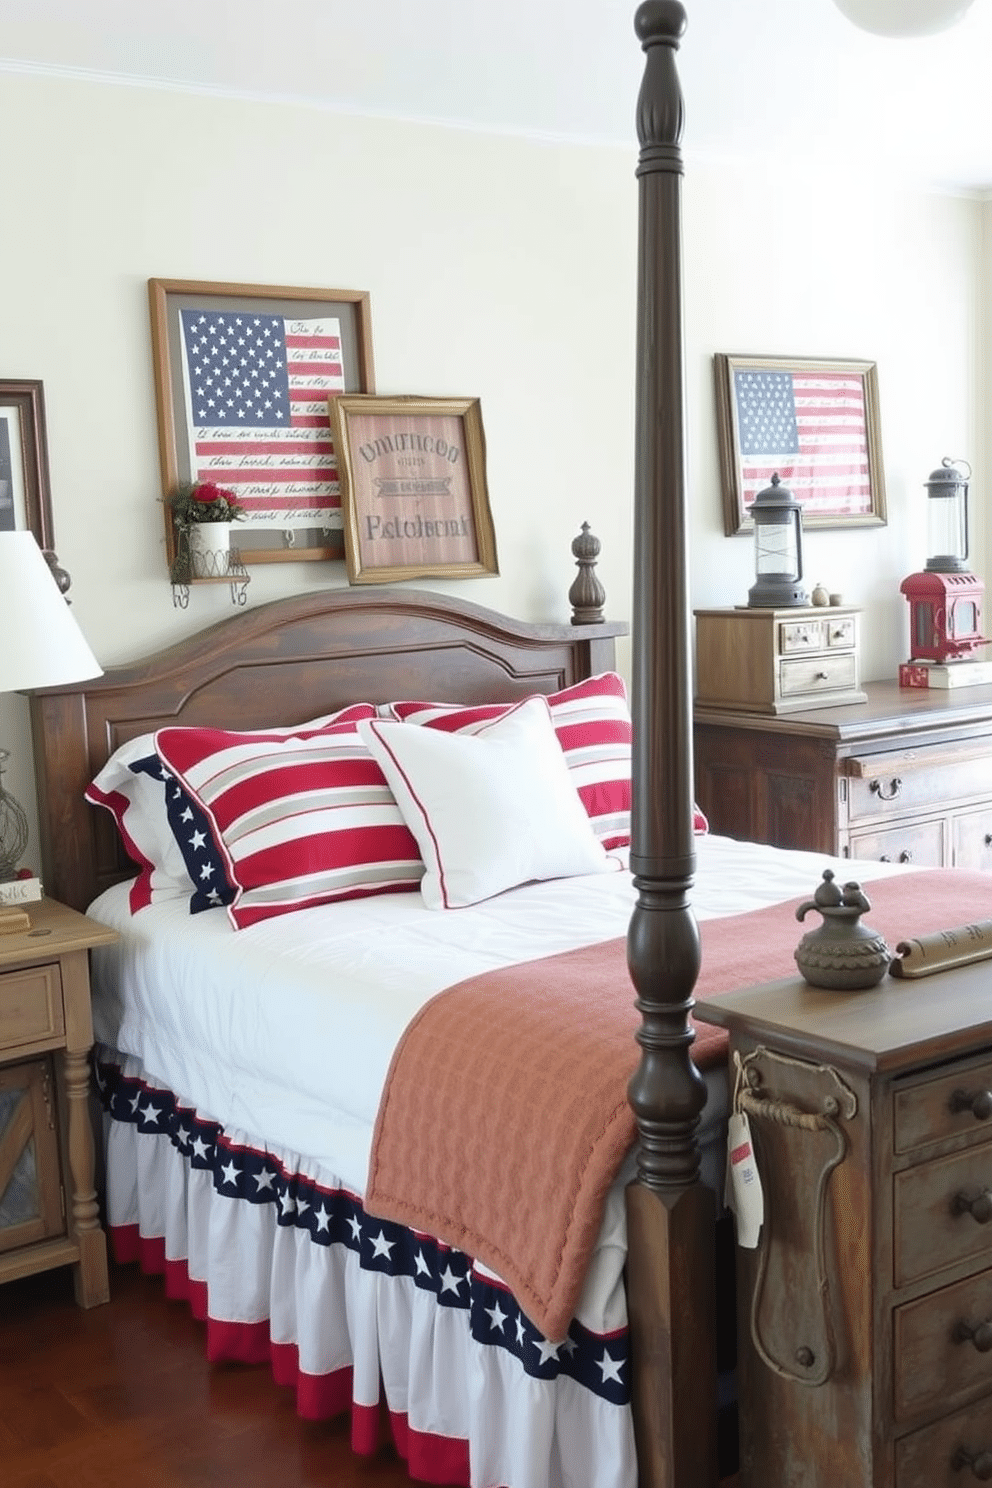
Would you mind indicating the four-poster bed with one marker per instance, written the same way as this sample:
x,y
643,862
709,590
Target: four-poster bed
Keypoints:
x,y
291,661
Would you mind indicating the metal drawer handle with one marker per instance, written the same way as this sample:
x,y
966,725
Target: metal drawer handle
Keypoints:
x,y
980,1336
979,1462
988,839
979,1103
820,676
878,789
979,1206
906,856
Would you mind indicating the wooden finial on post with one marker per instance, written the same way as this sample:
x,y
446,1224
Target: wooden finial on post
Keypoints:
x,y
587,595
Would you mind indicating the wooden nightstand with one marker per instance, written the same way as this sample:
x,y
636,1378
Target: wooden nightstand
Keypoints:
x,y
48,1208
865,1314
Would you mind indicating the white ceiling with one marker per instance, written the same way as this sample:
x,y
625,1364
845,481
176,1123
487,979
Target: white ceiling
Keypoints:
x,y
787,78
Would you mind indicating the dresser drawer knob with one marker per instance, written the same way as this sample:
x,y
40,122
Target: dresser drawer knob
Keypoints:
x,y
979,1206
980,1336
906,856
978,1102
879,789
979,1462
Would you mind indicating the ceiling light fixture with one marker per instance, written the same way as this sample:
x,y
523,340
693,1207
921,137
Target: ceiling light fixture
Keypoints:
x,y
904,17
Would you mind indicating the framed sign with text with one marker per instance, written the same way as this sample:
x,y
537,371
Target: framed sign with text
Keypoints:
x,y
414,498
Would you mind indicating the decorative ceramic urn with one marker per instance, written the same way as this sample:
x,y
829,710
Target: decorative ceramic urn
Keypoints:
x,y
841,954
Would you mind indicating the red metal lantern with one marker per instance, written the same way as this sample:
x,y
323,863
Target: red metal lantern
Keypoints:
x,y
945,600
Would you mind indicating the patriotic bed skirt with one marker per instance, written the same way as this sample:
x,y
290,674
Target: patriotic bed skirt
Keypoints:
x,y
353,1313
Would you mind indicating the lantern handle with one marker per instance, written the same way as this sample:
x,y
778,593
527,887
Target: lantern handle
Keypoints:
x,y
950,463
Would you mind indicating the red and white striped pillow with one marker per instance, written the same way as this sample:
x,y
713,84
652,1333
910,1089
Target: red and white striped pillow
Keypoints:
x,y
301,818
592,721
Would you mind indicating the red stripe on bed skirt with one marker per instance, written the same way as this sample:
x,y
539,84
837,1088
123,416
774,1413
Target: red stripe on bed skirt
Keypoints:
x,y
430,1458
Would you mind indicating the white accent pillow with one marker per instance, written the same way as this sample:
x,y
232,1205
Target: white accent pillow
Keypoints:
x,y
489,810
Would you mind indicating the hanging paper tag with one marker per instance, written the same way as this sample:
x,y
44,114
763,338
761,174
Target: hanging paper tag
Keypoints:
x,y
743,1193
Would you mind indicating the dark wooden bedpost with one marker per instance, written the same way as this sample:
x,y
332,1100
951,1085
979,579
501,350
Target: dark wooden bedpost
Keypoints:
x,y
670,1214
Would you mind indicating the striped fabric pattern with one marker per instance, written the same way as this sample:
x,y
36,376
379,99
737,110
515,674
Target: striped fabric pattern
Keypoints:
x,y
592,722
301,818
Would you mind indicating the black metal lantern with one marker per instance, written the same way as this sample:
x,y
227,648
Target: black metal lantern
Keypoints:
x,y
947,517
778,549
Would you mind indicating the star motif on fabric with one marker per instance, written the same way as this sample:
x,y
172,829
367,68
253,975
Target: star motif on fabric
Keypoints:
x,y
287,1202
230,1172
449,1281
323,1218
150,1113
521,1335
422,1267
546,1349
356,1227
497,1317
381,1246
265,1179
198,839
610,1367
200,1147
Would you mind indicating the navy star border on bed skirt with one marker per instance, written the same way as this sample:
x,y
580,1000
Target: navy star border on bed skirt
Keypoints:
x,y
600,1363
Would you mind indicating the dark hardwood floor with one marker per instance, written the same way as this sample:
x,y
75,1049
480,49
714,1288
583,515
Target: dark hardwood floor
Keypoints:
x,y
122,1396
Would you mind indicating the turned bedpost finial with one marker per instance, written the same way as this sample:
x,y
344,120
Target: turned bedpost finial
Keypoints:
x,y
660,25
587,595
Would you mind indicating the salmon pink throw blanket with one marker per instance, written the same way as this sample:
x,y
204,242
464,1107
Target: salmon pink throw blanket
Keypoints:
x,y
504,1117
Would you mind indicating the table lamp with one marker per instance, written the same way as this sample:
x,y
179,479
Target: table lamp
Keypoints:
x,y
42,647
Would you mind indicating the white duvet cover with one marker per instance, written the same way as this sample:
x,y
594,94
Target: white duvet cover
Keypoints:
x,y
285,1030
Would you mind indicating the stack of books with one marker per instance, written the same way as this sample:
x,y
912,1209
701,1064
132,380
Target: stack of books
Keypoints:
x,y
945,674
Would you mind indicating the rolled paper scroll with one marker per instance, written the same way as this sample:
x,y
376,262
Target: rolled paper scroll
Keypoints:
x,y
942,950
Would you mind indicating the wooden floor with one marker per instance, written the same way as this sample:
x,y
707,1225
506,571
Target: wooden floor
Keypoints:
x,y
122,1396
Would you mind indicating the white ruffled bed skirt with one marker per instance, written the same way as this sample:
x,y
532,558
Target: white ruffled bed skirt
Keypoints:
x,y
353,1313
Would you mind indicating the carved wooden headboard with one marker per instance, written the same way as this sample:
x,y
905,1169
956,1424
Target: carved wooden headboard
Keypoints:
x,y
282,663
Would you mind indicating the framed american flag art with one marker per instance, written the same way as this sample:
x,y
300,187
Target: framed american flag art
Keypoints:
x,y
815,423
243,375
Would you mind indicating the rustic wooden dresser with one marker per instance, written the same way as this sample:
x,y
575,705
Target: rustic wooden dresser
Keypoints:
x,y
905,776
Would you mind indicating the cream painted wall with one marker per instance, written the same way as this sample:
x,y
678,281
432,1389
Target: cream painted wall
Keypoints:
x,y
497,267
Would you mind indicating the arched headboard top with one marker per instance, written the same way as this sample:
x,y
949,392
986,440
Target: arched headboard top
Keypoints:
x,y
282,663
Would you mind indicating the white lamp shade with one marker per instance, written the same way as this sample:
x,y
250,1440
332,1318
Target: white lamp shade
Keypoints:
x,y
903,17
42,645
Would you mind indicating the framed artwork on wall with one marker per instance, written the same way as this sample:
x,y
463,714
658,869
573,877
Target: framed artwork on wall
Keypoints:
x,y
413,488
243,375
25,494
815,423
